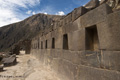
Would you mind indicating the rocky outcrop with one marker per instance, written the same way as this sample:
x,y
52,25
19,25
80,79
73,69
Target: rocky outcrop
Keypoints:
x,y
92,4
115,4
26,29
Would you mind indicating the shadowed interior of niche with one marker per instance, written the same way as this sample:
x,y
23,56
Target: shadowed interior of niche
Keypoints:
x,y
92,41
53,43
65,41
46,44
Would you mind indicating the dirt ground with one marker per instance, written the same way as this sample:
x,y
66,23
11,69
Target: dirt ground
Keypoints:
x,y
28,68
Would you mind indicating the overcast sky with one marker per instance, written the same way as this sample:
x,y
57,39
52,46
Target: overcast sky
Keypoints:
x,y
12,11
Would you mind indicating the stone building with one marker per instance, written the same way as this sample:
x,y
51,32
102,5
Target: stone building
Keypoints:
x,y
84,45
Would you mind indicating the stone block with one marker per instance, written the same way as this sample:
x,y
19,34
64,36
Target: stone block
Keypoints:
x,y
71,56
76,40
68,18
76,24
77,12
110,60
89,73
73,26
68,28
67,69
59,42
109,32
90,58
56,53
95,16
86,58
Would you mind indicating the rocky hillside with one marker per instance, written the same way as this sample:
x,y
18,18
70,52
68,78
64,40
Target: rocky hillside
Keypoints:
x,y
26,29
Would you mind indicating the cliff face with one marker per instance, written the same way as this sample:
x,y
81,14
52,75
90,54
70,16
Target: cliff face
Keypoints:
x,y
26,29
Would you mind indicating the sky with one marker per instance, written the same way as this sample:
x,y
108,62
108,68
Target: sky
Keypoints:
x,y
12,11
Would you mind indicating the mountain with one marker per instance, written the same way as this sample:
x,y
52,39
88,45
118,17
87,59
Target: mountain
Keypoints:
x,y
26,29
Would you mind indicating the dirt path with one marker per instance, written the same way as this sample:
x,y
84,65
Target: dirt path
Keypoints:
x,y
28,68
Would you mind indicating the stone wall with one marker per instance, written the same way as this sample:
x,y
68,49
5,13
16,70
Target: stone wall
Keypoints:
x,y
86,45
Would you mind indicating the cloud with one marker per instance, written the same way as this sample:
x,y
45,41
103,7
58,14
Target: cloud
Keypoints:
x,y
7,17
10,10
45,13
47,9
29,12
20,3
60,13
33,13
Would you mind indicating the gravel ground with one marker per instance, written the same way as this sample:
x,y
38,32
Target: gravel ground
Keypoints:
x,y
28,68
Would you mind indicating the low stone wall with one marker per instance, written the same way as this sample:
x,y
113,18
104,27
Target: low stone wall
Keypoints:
x,y
79,65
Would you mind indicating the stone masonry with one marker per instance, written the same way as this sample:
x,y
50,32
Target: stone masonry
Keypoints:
x,y
84,45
